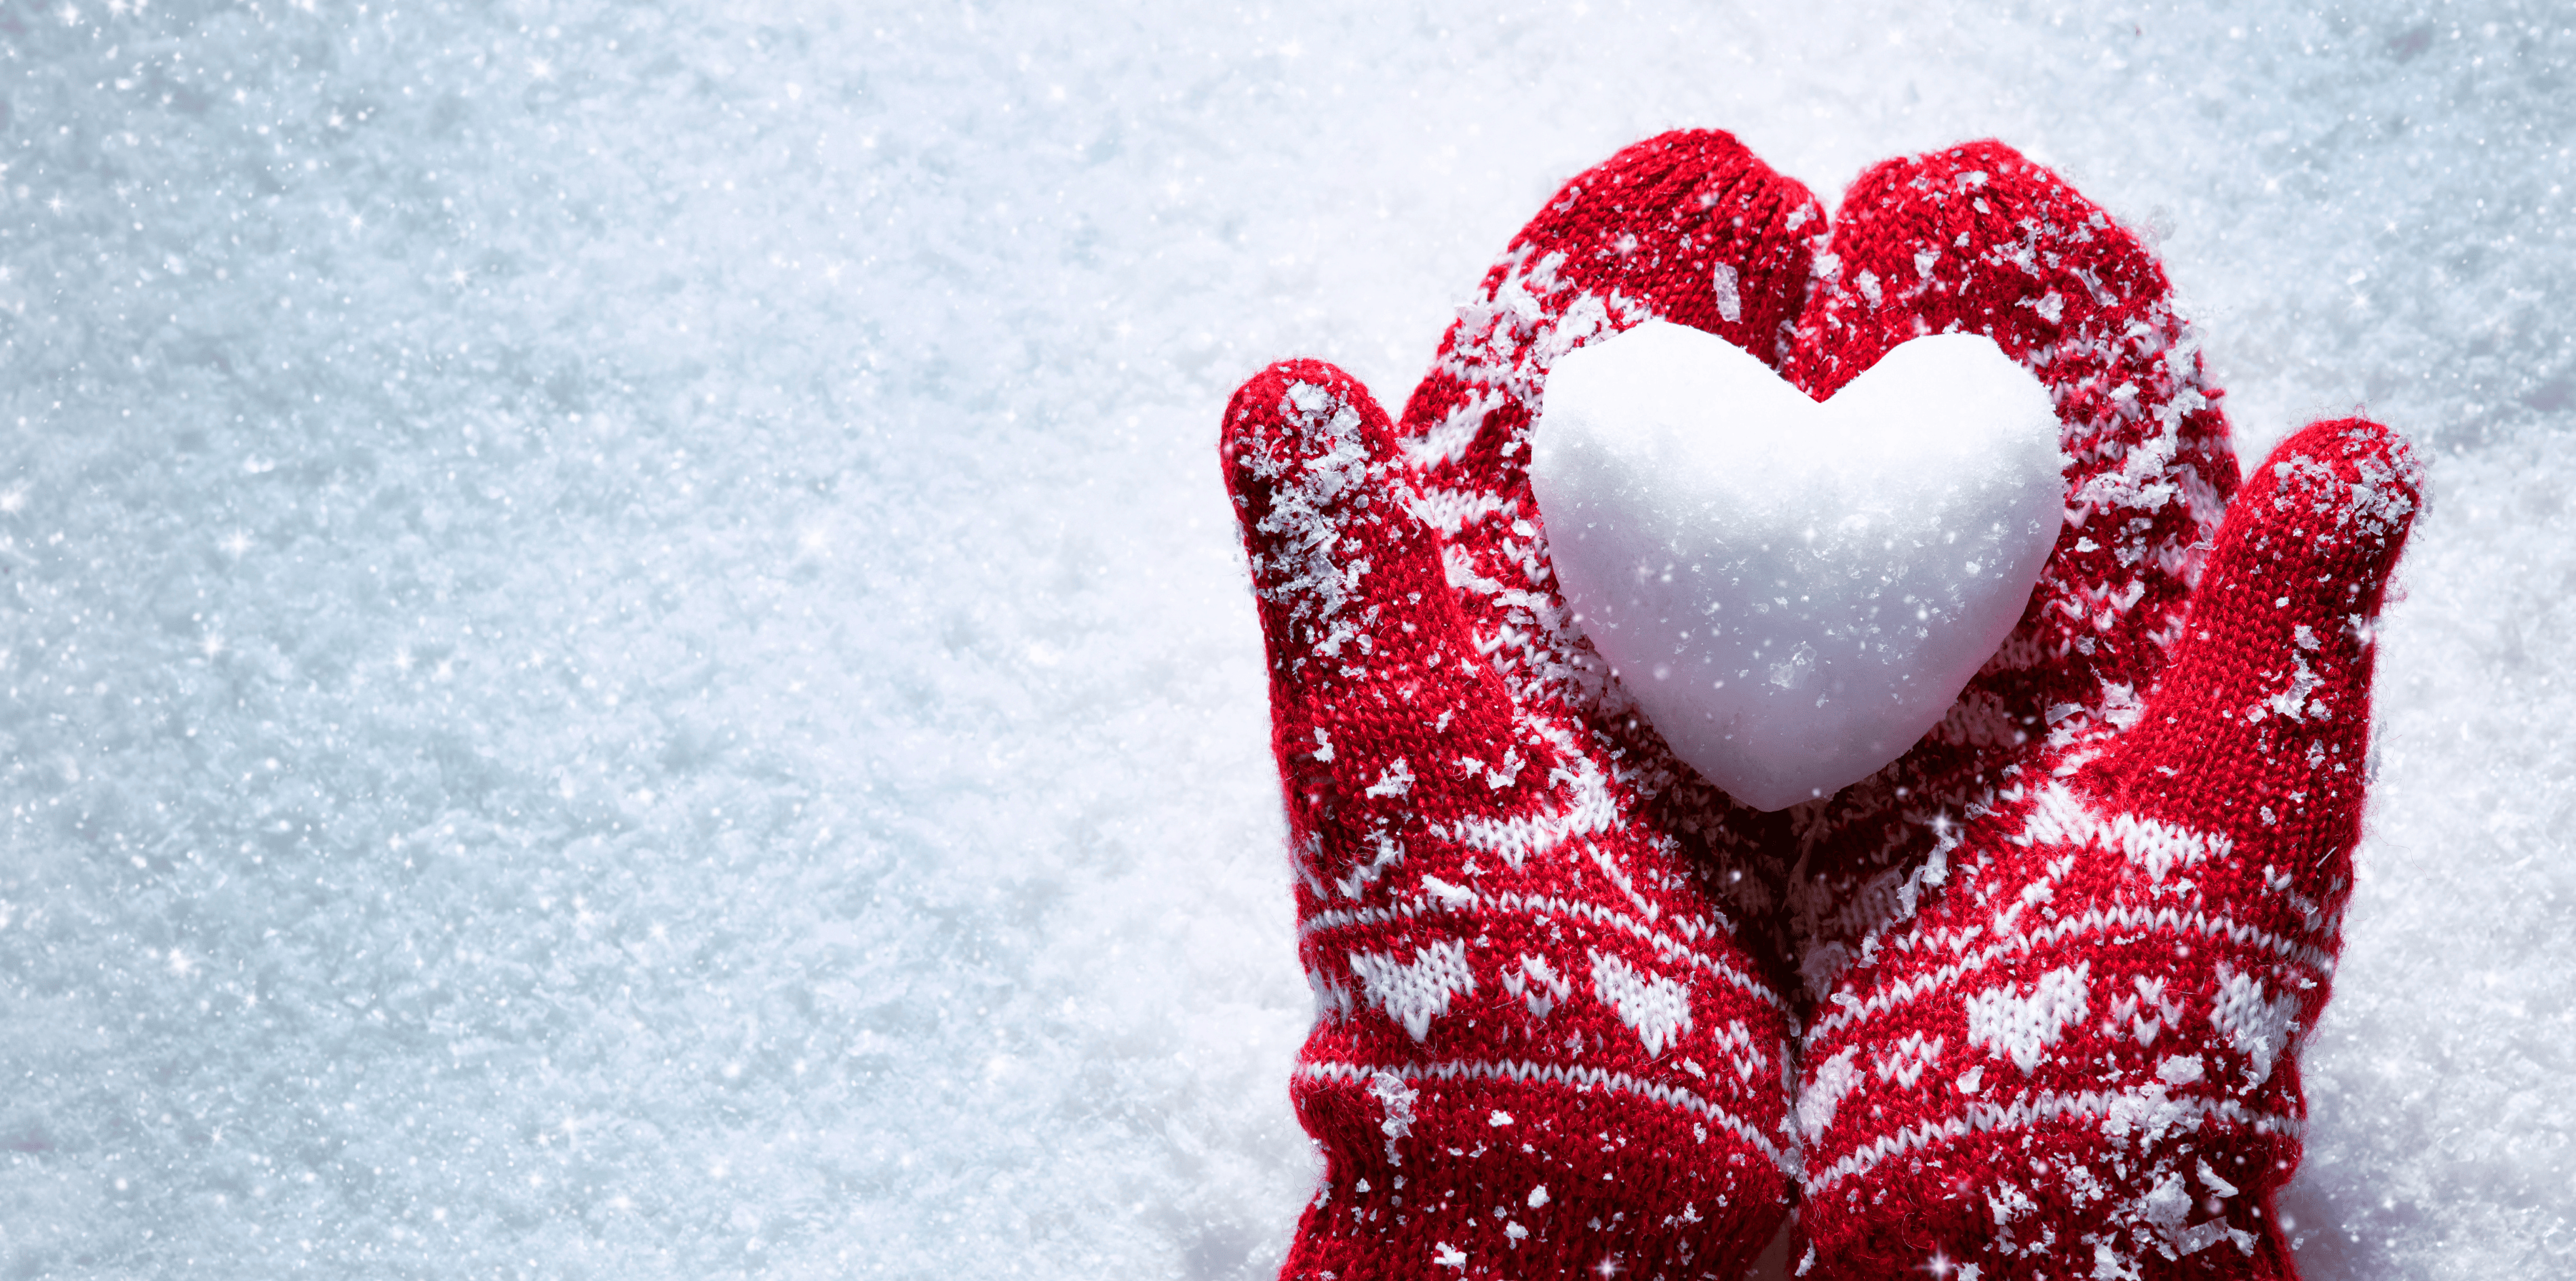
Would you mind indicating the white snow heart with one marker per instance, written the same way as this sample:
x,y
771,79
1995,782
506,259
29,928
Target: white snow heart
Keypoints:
x,y
1795,592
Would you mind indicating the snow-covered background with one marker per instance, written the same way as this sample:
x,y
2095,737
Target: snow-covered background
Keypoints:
x,y
621,652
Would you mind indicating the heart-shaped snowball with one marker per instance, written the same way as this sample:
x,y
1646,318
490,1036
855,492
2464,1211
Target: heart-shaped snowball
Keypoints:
x,y
1795,592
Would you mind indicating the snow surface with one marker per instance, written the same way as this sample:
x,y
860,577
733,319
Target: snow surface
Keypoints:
x,y
1795,592
624,655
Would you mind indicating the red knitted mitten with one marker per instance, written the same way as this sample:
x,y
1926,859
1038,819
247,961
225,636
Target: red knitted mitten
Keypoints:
x,y
1542,1047
2065,949
1978,238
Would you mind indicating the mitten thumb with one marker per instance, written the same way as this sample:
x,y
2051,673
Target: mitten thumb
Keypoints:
x,y
1377,691
2259,727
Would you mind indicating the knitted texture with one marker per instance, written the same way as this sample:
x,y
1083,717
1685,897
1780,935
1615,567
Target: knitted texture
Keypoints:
x,y
1978,239
2078,1057
2059,954
2051,966
1688,227
1542,1046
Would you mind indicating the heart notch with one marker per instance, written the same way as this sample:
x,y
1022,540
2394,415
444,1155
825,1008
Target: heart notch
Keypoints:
x,y
1795,592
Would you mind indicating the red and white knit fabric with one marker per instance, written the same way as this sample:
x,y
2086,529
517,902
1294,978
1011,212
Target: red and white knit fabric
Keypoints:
x,y
1979,239
1542,1049
2050,966
2060,954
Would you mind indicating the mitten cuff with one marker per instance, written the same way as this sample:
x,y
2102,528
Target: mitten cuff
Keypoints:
x,y
1476,1170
